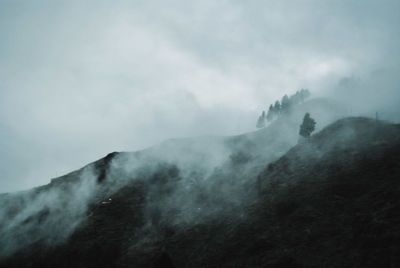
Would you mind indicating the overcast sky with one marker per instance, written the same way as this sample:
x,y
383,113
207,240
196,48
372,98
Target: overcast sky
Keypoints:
x,y
80,79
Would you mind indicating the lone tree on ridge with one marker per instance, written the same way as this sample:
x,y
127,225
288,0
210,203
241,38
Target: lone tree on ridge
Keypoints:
x,y
307,127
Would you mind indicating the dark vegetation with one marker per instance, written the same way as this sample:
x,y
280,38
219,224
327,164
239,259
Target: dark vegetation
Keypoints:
x,y
283,108
329,202
307,127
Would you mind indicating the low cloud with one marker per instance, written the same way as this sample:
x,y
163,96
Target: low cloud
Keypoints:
x,y
78,81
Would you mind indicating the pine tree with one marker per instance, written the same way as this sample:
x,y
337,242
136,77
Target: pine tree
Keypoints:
x,y
277,108
261,120
285,105
270,113
295,99
307,127
304,94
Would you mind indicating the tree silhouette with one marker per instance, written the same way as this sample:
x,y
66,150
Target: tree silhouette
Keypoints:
x,y
285,105
277,108
304,94
307,127
261,120
270,113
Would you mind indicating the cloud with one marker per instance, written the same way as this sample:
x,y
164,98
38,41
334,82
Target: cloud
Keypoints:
x,y
78,80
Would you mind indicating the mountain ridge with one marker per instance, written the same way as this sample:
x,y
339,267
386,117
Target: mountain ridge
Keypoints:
x,y
166,213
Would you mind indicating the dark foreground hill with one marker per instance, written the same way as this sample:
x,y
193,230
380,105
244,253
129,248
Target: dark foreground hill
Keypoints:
x,y
331,201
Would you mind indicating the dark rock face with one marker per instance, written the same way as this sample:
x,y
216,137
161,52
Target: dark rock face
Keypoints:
x,y
329,202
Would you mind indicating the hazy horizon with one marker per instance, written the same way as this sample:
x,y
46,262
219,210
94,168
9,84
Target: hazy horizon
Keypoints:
x,y
80,80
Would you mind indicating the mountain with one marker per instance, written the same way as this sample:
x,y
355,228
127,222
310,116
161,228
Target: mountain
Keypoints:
x,y
253,200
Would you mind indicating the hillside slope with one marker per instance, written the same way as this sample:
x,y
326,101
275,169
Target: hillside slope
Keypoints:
x,y
329,202
49,214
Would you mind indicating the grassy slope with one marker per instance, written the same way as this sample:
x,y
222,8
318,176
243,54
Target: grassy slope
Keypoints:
x,y
330,202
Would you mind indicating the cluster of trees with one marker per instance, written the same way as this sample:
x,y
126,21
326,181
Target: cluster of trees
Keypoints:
x,y
283,107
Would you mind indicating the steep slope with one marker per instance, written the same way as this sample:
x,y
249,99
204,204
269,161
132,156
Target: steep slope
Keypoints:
x,y
329,202
49,214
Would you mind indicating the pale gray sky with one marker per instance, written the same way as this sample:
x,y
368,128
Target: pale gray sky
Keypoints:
x,y
79,79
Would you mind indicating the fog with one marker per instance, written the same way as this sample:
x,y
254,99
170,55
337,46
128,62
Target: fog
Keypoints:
x,y
177,87
179,183
80,80
47,215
